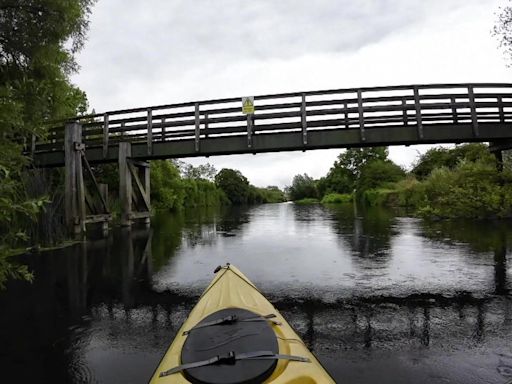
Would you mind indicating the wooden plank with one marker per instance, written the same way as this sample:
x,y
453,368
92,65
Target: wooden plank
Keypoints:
x,y
105,135
417,106
96,185
98,218
103,189
197,123
140,215
140,163
150,131
90,202
472,107
140,187
361,114
304,121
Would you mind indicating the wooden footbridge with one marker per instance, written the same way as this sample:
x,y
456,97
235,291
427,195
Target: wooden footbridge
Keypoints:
x,y
341,118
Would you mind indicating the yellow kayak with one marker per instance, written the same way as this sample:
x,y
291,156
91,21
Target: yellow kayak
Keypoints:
x,y
234,335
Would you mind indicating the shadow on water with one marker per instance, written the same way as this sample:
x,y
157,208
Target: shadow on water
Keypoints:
x,y
93,315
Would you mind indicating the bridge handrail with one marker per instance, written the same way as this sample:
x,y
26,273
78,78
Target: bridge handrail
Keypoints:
x,y
359,108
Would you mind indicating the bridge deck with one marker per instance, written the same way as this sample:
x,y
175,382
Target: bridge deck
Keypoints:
x,y
413,114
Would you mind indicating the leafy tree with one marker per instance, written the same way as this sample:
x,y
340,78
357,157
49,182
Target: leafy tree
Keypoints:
x,y
338,180
450,157
38,40
354,159
202,171
234,184
503,31
303,186
377,173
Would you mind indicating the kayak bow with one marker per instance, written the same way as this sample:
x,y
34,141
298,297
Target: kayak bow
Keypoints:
x,y
235,335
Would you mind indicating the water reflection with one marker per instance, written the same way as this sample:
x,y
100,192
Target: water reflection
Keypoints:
x,y
105,311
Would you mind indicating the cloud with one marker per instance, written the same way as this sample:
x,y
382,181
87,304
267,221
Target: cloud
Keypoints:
x,y
160,52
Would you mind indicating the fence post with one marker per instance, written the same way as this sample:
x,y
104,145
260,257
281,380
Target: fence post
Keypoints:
x,y
417,106
72,135
404,112
361,114
150,131
304,120
472,107
454,110
105,135
125,183
163,128
198,127
501,111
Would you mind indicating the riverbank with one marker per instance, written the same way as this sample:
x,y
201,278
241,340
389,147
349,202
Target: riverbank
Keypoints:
x,y
461,182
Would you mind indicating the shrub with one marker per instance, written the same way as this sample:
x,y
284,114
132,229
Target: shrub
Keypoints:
x,y
337,198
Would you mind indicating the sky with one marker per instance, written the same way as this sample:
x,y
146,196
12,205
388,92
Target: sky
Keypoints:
x,y
143,53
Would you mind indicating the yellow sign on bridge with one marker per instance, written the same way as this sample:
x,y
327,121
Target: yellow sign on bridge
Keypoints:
x,y
248,105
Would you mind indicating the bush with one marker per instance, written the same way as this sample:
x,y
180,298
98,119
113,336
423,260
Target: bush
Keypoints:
x,y
471,190
337,198
378,197
307,201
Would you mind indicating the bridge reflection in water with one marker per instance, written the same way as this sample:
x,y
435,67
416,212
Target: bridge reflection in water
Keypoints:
x,y
93,312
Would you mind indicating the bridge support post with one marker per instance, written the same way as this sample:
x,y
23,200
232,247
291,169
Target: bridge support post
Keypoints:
x,y
74,196
125,183
131,170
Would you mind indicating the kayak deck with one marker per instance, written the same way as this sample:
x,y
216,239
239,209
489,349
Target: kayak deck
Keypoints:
x,y
231,289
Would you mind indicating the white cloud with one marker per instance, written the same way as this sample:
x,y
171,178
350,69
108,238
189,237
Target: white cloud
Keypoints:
x,y
180,51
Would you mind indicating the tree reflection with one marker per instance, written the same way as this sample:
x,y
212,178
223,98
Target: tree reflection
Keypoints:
x,y
367,230
480,236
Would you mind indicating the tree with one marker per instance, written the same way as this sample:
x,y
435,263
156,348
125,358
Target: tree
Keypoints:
x,y
234,184
377,173
202,171
450,157
38,40
338,180
503,31
354,159
303,186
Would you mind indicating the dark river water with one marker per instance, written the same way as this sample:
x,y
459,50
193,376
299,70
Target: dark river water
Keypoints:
x,y
378,297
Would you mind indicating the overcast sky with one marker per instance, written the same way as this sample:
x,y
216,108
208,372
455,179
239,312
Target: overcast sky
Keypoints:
x,y
142,53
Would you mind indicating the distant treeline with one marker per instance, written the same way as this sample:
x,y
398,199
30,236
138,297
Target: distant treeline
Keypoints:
x,y
459,182
177,185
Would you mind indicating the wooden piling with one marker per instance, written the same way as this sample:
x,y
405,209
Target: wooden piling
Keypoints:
x,y
125,183
147,183
72,135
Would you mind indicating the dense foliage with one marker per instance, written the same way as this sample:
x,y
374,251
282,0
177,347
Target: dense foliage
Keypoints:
x,y
356,169
303,186
171,190
462,181
37,42
503,31
176,185
238,191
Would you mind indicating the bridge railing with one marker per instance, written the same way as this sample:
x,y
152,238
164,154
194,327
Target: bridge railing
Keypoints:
x,y
413,106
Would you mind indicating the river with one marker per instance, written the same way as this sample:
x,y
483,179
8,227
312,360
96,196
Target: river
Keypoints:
x,y
378,297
